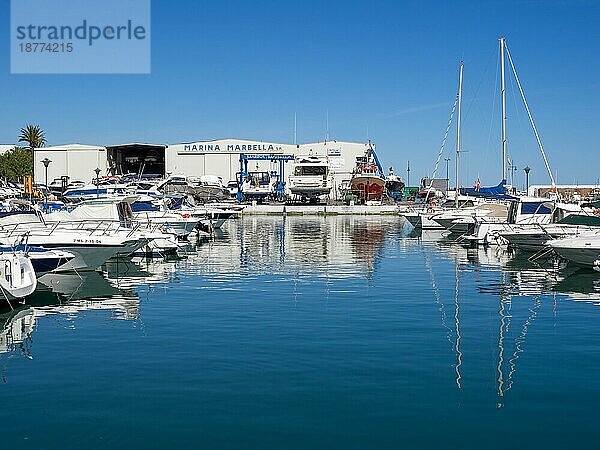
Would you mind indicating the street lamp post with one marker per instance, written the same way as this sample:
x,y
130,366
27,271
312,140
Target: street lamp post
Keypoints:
x,y
408,178
97,170
447,175
527,169
46,162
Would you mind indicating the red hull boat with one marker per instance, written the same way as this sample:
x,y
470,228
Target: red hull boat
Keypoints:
x,y
367,181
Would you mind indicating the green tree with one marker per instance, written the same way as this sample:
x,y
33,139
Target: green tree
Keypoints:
x,y
16,163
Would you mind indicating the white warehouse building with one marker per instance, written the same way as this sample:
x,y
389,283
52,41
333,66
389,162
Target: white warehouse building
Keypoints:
x,y
217,157
77,161
222,158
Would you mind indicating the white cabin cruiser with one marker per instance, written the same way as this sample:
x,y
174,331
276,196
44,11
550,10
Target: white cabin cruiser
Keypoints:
x,y
90,248
92,191
152,214
461,220
257,186
423,218
581,250
522,210
568,220
212,214
101,217
311,178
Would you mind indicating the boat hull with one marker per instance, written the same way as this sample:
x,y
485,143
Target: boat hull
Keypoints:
x,y
580,251
454,225
368,187
423,221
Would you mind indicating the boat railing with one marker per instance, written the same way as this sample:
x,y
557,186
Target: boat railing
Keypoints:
x,y
89,227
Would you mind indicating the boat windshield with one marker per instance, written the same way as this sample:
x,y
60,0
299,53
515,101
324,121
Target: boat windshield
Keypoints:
x,y
310,170
259,178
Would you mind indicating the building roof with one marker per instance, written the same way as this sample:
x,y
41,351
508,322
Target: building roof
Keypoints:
x,y
257,141
136,144
68,147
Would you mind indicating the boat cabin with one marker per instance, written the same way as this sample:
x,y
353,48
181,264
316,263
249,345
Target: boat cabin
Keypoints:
x,y
530,210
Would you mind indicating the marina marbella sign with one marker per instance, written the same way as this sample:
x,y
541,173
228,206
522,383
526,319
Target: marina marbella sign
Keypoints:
x,y
230,146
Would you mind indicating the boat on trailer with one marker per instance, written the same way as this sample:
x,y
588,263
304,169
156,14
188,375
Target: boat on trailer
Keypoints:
x,y
310,179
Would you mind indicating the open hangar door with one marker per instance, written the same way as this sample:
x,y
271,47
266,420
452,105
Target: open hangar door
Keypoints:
x,y
136,158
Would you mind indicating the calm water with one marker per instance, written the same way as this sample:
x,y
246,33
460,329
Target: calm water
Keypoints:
x,y
343,332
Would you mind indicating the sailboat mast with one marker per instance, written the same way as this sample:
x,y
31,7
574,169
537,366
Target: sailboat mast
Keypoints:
x,y
502,92
460,78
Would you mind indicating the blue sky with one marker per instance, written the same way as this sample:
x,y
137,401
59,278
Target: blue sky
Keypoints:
x,y
384,70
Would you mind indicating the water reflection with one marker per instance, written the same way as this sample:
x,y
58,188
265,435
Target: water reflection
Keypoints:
x,y
344,246
521,288
69,294
490,290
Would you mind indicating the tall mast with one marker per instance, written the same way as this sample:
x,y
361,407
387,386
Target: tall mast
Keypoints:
x,y
502,92
460,78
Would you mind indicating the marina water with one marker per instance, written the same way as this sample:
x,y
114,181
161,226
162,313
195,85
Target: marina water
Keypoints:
x,y
307,332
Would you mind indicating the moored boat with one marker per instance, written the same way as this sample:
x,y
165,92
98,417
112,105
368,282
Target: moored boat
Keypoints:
x,y
581,250
17,276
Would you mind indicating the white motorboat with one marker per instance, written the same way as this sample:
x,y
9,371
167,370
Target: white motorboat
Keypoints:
x,y
154,214
92,191
522,210
310,179
257,186
462,220
42,259
213,214
423,217
17,276
534,238
581,250
113,216
91,249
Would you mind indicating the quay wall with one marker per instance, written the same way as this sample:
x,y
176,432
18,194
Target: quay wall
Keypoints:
x,y
319,210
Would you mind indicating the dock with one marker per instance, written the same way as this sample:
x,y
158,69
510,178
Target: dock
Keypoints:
x,y
319,210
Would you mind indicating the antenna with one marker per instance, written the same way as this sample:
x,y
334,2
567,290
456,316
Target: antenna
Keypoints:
x,y
295,130
327,126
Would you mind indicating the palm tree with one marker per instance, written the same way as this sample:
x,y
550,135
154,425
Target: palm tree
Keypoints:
x,y
34,136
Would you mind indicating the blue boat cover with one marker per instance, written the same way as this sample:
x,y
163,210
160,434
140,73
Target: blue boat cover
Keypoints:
x,y
497,192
